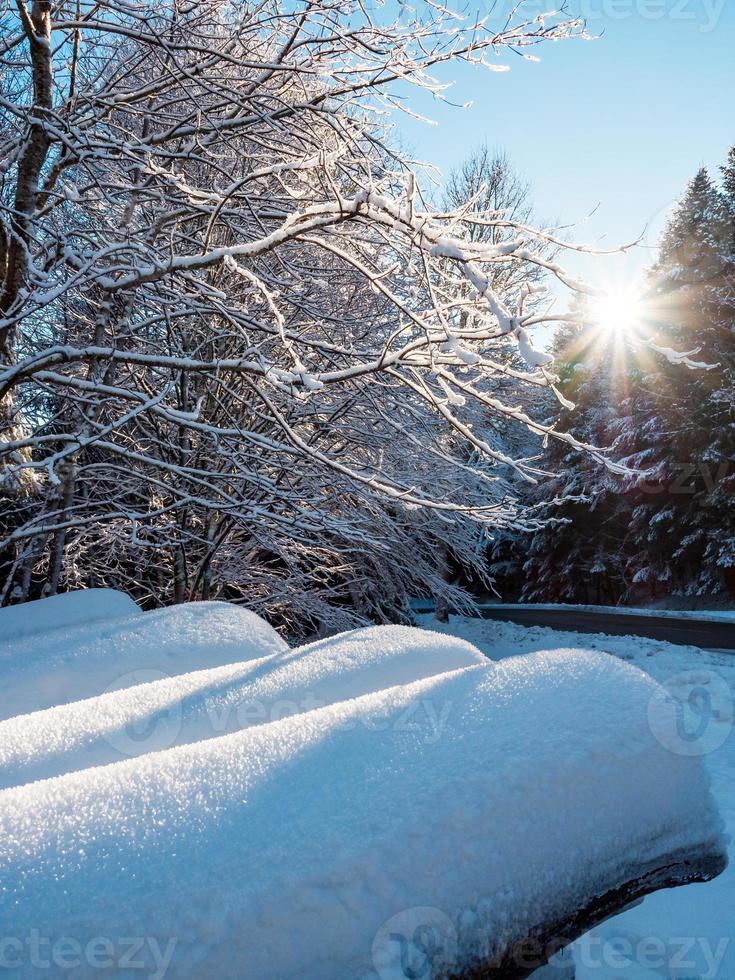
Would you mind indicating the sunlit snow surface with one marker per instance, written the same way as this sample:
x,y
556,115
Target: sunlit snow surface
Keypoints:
x,y
204,704
82,661
687,933
421,784
60,611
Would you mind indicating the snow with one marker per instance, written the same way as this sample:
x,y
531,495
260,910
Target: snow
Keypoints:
x,y
532,356
252,811
685,933
679,357
76,662
462,353
56,612
206,703
291,849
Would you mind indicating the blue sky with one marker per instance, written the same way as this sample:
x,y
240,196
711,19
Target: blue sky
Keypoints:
x,y
619,124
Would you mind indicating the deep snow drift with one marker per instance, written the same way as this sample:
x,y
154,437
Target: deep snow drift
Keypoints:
x,y
500,795
682,933
58,611
207,703
78,662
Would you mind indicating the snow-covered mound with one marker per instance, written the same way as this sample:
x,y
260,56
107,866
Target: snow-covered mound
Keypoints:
x,y
84,661
500,797
58,611
155,716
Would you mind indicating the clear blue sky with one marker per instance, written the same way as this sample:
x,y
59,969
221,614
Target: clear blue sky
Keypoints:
x,y
619,124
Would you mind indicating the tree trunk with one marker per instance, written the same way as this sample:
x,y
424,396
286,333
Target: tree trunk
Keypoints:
x,y
441,609
179,574
68,484
17,237
441,604
15,261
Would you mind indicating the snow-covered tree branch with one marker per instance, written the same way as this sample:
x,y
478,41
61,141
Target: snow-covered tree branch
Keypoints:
x,y
232,322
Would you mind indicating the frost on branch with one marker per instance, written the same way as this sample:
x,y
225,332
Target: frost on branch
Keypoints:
x,y
685,358
238,345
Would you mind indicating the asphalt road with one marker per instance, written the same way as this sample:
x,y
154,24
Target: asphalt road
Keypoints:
x,y
710,635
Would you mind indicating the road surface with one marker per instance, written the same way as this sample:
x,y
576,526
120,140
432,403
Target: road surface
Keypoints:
x,y
708,634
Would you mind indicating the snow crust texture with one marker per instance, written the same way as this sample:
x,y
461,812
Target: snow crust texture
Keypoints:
x,y
75,662
56,612
207,703
498,795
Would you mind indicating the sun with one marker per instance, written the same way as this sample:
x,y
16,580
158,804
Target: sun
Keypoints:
x,y
618,312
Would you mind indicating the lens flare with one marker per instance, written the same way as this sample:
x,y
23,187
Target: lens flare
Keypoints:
x,y
618,312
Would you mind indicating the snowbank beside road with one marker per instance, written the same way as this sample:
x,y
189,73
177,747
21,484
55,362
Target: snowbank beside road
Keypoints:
x,y
59,611
70,664
207,703
502,796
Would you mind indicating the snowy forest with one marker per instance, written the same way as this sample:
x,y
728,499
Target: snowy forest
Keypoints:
x,y
665,530
367,539
250,351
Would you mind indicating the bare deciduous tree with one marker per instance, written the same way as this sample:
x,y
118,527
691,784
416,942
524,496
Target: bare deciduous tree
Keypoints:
x,y
234,351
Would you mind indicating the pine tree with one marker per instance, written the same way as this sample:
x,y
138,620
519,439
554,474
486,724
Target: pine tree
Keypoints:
x,y
683,522
728,179
670,530
575,557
